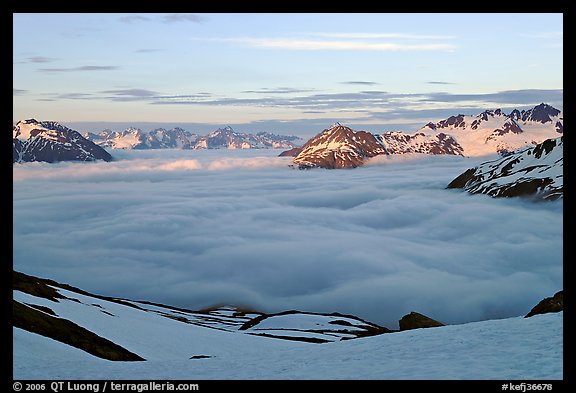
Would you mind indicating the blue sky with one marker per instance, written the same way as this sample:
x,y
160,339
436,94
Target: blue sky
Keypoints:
x,y
281,72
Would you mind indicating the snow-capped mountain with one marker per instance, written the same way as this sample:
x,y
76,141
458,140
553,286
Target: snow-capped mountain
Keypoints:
x,y
223,138
178,138
135,138
493,131
535,171
489,132
62,332
227,138
338,147
400,143
342,147
51,142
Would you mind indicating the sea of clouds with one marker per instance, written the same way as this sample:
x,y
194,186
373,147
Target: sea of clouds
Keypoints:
x,y
199,228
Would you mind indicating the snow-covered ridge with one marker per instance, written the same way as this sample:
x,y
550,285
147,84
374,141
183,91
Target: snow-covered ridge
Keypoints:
x,y
534,171
494,131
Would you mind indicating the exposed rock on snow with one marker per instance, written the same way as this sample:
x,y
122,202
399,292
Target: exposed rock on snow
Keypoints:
x,y
549,304
311,327
416,320
533,172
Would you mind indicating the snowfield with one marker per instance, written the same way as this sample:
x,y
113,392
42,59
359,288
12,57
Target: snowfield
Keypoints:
x,y
509,349
513,348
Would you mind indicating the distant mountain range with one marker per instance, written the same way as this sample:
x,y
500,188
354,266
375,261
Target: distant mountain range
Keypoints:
x,y
50,141
177,138
486,133
489,132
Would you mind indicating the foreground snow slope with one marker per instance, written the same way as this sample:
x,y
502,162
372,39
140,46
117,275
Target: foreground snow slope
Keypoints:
x,y
514,348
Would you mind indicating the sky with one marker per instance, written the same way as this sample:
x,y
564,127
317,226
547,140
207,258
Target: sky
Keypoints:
x,y
281,72
199,228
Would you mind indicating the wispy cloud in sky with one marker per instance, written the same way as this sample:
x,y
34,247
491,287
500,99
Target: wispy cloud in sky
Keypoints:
x,y
402,36
278,90
172,18
148,50
374,99
366,83
134,18
130,94
337,45
81,68
40,59
349,41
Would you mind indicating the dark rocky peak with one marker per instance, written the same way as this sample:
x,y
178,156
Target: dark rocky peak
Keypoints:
x,y
559,127
485,115
222,132
515,115
452,121
541,113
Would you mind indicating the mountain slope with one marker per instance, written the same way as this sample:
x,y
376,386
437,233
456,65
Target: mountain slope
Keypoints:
x,y
534,171
52,142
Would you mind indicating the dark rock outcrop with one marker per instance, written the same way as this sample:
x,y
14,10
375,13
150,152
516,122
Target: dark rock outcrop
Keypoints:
x,y
549,304
44,324
291,152
416,320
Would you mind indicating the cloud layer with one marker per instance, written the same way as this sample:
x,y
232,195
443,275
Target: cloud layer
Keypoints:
x,y
197,228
